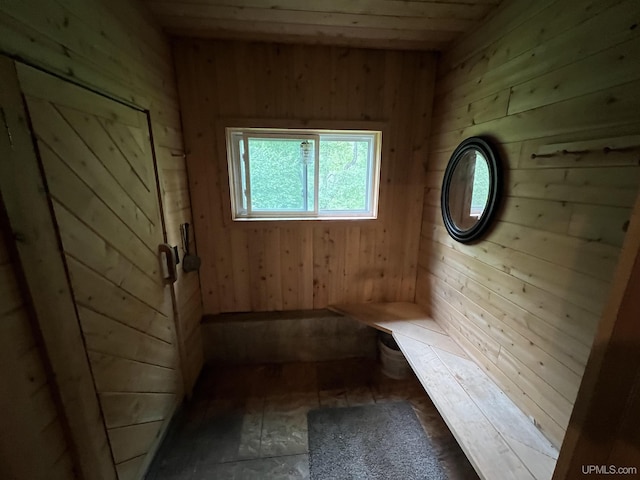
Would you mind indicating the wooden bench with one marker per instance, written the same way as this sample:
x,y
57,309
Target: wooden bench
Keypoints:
x,y
500,441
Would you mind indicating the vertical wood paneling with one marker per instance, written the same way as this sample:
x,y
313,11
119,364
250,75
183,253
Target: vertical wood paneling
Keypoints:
x,y
525,301
297,265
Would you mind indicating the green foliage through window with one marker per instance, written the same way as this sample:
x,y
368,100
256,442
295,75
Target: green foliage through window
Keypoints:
x,y
276,173
343,175
480,192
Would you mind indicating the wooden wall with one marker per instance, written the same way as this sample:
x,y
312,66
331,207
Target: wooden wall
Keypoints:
x,y
261,266
114,48
33,444
603,429
537,77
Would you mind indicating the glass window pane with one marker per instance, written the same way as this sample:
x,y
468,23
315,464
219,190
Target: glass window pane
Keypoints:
x,y
277,176
242,198
343,175
303,173
480,192
311,171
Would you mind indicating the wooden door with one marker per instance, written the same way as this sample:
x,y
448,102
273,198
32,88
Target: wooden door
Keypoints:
x,y
100,177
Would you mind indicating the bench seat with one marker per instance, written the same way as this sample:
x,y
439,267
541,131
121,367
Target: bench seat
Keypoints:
x,y
497,437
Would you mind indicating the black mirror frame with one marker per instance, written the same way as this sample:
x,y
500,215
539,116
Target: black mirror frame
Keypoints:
x,y
495,189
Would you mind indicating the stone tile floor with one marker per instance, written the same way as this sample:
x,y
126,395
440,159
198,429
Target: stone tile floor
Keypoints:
x,y
250,422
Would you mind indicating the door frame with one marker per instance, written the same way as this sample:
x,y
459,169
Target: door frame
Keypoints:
x,y
38,244
39,249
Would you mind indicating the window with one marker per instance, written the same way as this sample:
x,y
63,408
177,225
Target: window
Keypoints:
x,y
303,174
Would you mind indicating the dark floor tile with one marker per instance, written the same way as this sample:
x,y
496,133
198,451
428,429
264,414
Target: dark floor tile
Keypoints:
x,y
250,436
294,467
290,378
177,466
284,433
249,422
291,402
333,398
217,440
359,395
360,372
331,375
237,381
218,471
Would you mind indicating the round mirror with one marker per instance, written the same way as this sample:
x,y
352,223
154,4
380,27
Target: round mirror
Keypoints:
x,y
470,189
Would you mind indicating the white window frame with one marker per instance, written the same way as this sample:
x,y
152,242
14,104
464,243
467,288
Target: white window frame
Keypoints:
x,y
237,139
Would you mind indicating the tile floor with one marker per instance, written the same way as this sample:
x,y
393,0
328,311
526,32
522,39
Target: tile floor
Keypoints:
x,y
250,422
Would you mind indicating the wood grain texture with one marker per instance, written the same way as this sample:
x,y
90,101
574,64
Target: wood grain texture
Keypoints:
x,y
34,443
388,24
28,217
257,266
601,427
115,48
484,421
497,437
122,355
118,50
525,301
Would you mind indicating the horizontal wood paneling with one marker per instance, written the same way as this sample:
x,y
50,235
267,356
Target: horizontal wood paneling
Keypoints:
x,y
113,278
124,409
525,301
117,49
298,265
419,25
33,444
602,429
131,441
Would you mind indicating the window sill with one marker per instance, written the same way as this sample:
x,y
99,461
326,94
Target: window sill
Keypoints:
x,y
289,219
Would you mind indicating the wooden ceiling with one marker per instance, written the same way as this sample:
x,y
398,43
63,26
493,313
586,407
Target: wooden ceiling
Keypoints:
x,y
397,24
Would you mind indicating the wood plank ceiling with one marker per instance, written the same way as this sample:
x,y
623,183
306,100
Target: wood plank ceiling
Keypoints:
x,y
393,24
